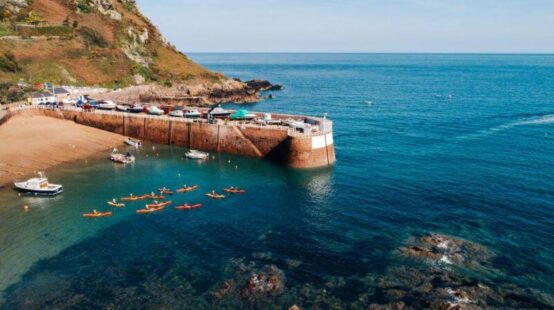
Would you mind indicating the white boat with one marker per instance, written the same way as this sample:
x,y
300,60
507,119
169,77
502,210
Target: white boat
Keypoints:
x,y
192,114
39,186
177,113
194,154
107,105
219,112
122,158
131,142
122,108
137,108
155,111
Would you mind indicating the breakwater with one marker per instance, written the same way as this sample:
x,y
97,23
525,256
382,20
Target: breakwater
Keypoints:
x,y
276,142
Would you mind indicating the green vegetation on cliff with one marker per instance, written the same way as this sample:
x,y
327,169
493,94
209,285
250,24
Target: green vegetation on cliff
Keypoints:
x,y
87,42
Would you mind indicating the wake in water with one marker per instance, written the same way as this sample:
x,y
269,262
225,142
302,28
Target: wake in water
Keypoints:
x,y
543,120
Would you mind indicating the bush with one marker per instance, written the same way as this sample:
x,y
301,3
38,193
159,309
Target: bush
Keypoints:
x,y
12,93
83,6
8,63
92,37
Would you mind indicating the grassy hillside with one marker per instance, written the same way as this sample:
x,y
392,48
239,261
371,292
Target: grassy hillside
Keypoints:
x,y
88,42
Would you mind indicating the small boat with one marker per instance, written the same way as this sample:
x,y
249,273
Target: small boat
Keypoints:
x,y
153,196
185,189
113,203
157,205
122,108
177,113
95,214
243,114
137,108
130,198
192,114
155,111
132,142
165,191
39,186
215,196
107,105
122,158
144,211
219,112
188,207
234,190
194,154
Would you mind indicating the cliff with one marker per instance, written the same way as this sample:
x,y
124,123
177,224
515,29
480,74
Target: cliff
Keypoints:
x,y
106,43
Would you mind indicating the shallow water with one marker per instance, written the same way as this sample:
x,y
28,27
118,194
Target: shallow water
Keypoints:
x,y
454,144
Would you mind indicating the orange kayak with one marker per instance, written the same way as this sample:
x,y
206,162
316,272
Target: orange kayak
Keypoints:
x,y
187,189
158,205
144,211
130,198
188,207
215,196
155,197
97,214
234,191
165,191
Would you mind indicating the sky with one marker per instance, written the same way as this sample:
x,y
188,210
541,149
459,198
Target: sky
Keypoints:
x,y
423,26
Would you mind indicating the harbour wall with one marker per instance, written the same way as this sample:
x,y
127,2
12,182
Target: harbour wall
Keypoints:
x,y
278,143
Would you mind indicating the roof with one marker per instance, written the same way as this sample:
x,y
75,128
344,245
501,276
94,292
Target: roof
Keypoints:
x,y
42,95
60,90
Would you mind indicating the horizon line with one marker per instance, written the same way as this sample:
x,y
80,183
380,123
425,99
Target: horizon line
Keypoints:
x,y
376,53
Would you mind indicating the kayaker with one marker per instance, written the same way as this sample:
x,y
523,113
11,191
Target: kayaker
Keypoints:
x,y
94,211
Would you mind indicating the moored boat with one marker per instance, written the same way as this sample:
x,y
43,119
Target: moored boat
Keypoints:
x,y
122,108
194,154
95,214
185,189
132,142
219,112
177,113
137,108
188,207
107,105
155,111
122,158
39,186
192,114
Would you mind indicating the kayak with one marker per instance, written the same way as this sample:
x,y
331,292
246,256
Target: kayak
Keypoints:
x,y
234,191
215,196
144,211
165,191
97,214
158,205
187,189
130,198
188,207
115,204
155,197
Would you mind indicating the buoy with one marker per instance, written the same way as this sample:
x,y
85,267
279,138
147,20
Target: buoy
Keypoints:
x,y
229,161
26,208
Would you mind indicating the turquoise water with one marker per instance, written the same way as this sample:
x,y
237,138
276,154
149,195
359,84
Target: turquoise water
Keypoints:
x,y
453,144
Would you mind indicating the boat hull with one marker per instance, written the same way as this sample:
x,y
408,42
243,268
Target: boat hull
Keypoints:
x,y
53,192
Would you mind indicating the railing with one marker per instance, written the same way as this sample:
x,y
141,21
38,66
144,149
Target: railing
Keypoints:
x,y
324,125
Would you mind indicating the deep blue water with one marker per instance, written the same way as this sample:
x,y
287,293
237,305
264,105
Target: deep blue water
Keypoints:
x,y
454,144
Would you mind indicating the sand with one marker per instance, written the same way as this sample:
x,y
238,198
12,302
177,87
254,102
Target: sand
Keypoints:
x,y
35,143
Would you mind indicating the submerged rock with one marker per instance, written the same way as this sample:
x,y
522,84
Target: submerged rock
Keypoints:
x,y
448,250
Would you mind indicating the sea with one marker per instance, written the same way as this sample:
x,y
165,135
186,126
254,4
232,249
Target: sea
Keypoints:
x,y
459,146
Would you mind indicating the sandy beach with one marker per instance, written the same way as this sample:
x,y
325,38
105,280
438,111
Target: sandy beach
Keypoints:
x,y
34,143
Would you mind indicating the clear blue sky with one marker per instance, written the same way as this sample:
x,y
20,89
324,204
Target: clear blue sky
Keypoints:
x,y
355,25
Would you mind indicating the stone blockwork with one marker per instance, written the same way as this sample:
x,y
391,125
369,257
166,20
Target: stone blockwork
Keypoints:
x,y
276,143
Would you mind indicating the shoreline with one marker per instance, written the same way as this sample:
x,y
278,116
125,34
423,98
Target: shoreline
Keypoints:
x,y
39,142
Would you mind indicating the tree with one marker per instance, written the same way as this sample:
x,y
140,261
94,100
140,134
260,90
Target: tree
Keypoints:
x,y
34,18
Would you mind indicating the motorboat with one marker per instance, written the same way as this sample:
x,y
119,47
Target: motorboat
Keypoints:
x,y
219,112
155,111
122,158
122,108
39,186
194,154
132,142
192,114
137,108
107,105
243,115
177,113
